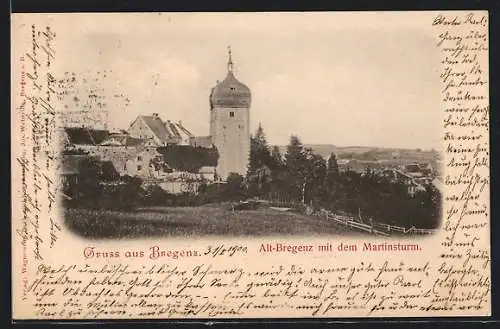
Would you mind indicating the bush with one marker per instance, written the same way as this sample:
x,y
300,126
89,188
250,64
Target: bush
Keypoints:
x,y
154,195
234,189
125,193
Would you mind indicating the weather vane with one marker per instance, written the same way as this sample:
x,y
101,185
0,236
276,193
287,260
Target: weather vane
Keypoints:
x,y
230,61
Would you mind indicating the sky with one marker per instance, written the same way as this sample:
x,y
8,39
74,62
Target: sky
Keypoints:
x,y
348,79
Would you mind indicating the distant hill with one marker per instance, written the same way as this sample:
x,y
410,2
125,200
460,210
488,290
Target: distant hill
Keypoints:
x,y
371,153
322,149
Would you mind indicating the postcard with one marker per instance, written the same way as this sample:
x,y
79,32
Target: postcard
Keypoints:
x,y
250,165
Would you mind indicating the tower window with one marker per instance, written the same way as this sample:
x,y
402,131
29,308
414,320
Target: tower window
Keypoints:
x,y
231,114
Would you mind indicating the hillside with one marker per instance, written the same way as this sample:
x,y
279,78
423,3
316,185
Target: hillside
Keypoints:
x,y
371,153
207,220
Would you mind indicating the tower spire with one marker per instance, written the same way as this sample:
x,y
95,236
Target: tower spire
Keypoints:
x,y
230,60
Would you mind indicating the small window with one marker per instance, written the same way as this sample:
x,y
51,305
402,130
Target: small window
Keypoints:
x,y
139,167
231,114
139,158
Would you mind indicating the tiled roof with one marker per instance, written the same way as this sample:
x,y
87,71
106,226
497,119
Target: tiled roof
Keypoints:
x,y
85,136
184,130
177,130
157,127
230,93
168,131
201,141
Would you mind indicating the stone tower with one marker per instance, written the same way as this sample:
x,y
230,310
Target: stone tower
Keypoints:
x,y
230,123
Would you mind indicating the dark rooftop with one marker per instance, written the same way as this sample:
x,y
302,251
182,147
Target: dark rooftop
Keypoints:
x,y
85,136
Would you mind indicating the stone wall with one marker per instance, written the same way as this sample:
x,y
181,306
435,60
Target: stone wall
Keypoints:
x,y
135,161
132,161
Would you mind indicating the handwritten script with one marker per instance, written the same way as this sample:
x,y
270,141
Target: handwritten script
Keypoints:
x,y
163,290
463,44
35,153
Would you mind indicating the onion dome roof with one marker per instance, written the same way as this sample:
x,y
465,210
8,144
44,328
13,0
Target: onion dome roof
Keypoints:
x,y
230,92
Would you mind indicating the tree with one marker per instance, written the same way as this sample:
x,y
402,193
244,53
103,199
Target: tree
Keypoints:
x,y
276,159
295,168
235,189
259,173
332,166
154,195
430,208
259,151
277,185
261,181
128,194
88,181
347,192
315,175
331,183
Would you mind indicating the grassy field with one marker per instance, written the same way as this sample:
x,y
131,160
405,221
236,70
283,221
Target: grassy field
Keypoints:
x,y
195,221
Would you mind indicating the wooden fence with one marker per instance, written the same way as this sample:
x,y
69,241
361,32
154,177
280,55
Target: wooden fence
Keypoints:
x,y
376,228
393,228
349,222
353,222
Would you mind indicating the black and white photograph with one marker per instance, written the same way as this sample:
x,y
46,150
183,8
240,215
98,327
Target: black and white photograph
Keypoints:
x,y
210,125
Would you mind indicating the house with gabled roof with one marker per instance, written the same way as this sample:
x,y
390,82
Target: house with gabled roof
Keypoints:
x,y
162,133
